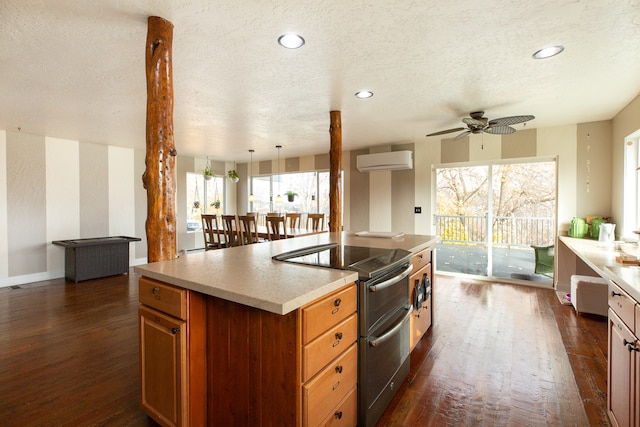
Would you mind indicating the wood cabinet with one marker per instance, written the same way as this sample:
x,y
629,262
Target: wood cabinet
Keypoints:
x,y
172,346
623,364
298,369
420,281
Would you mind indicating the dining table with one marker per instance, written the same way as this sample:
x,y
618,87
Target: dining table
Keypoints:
x,y
291,232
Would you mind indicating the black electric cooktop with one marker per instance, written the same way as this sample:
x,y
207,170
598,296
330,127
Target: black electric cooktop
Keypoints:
x,y
368,262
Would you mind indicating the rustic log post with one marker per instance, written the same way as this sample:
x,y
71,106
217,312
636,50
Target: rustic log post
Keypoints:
x,y
335,173
159,176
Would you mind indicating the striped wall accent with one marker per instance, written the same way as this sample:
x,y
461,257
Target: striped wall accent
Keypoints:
x,y
381,200
57,189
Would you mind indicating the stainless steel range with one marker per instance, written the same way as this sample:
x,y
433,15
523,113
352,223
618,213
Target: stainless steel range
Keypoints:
x,y
383,317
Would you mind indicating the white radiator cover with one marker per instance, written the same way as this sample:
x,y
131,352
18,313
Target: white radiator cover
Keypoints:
x,y
392,160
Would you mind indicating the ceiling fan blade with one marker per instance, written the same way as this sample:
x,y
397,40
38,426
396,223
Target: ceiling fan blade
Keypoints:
x,y
500,130
474,122
462,135
442,132
512,120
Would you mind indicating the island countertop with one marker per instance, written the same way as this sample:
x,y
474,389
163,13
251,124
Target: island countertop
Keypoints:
x,y
248,275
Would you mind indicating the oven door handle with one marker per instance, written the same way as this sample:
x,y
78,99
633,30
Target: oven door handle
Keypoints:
x,y
374,341
380,286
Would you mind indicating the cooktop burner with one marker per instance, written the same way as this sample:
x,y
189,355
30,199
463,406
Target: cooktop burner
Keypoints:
x,y
368,262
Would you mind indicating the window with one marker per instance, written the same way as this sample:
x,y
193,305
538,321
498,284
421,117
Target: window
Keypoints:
x,y
311,191
631,199
202,196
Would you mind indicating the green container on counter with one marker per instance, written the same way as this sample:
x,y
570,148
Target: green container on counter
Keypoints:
x,y
578,227
594,233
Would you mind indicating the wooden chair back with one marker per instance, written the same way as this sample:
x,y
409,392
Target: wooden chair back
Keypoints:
x,y
274,214
232,231
317,221
293,220
276,228
212,234
249,229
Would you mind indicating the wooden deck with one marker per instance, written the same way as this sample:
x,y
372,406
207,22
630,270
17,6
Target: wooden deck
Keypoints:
x,y
498,355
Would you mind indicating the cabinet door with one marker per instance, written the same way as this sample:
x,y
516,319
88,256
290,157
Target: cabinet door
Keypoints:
x,y
620,371
162,367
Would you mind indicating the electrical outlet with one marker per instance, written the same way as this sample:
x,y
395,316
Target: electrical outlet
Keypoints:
x,y
417,209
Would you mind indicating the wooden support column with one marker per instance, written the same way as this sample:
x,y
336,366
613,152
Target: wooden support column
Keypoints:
x,y
159,178
335,173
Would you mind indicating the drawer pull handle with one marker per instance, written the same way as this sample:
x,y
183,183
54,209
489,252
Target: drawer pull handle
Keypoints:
x,y
615,294
338,414
175,330
336,385
339,369
155,290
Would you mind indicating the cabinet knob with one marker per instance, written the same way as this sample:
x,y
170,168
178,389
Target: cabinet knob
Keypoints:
x,y
338,335
337,302
339,369
175,330
155,290
338,414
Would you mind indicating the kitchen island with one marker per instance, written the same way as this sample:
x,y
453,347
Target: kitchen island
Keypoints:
x,y
233,337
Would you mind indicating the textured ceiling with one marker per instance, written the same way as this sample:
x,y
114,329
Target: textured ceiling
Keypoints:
x,y
75,69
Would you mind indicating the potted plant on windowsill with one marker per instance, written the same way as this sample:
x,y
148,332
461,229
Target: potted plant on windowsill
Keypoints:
x,y
207,173
233,175
291,195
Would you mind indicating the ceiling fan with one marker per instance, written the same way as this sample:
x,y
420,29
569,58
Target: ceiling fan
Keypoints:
x,y
477,123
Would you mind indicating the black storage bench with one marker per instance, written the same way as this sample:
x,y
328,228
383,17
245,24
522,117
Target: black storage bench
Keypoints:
x,y
86,259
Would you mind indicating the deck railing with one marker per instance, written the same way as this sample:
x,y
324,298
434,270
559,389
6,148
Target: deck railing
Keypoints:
x,y
508,231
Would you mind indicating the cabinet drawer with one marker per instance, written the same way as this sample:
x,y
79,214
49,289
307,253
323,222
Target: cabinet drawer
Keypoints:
x,y
421,259
328,346
163,297
622,304
323,394
346,414
329,311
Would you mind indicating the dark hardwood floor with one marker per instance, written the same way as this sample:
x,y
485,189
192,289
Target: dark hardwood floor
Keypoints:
x,y
497,355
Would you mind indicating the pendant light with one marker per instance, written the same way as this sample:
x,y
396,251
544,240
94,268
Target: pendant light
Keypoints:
x,y
278,197
251,197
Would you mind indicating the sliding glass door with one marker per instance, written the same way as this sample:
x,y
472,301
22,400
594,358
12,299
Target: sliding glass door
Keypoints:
x,y
490,216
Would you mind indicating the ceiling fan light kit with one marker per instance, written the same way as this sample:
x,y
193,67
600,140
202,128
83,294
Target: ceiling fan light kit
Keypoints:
x,y
477,123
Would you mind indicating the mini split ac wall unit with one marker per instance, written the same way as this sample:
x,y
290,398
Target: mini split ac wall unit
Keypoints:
x,y
389,161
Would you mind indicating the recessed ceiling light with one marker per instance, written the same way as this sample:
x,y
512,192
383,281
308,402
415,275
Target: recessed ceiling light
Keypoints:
x,y
364,94
548,52
291,41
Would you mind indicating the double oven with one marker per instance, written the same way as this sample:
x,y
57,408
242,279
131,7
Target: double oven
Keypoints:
x,y
383,317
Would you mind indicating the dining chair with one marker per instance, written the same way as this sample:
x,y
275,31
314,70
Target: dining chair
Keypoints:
x,y
276,228
293,220
232,230
212,236
317,221
249,229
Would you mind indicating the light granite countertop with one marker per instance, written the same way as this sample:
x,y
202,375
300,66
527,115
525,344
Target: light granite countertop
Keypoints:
x,y
248,275
601,257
